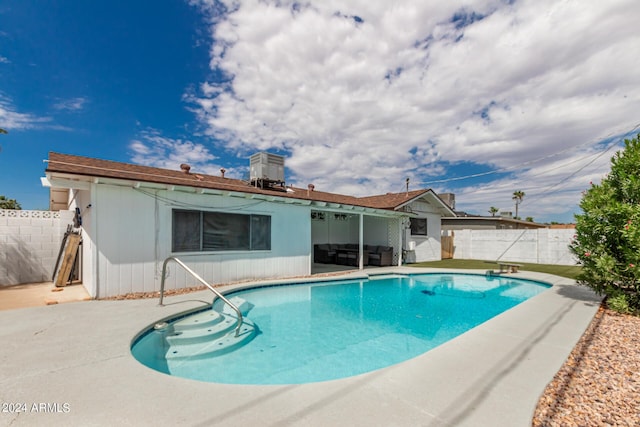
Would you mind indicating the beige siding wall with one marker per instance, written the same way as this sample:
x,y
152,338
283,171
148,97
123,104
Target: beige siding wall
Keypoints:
x,y
130,235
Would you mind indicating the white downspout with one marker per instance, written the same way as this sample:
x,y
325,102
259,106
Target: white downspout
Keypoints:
x,y
400,247
95,254
360,243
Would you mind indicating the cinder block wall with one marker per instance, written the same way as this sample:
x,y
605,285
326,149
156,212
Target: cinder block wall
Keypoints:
x,y
537,246
29,244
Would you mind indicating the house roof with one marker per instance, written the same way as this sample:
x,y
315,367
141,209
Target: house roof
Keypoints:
x,y
397,201
392,200
469,220
74,167
562,226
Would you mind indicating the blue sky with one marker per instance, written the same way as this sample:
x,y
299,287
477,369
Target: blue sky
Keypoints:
x,y
480,100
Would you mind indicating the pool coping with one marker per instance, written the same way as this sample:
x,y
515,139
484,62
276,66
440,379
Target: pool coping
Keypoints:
x,y
74,358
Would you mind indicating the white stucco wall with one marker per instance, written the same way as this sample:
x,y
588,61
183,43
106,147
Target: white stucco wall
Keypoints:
x,y
129,236
29,244
331,230
377,230
538,246
424,248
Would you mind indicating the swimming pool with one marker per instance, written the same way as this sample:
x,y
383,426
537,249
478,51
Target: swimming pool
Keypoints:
x,y
315,332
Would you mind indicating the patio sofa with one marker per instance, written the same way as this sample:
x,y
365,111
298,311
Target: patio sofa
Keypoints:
x,y
324,253
380,255
347,254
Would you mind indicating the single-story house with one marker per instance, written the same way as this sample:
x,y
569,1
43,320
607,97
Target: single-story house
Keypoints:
x,y
467,222
133,217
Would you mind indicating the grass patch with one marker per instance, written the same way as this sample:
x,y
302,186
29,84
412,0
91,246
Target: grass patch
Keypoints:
x,y
569,271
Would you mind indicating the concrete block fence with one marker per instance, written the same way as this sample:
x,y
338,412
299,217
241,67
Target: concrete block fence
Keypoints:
x,y
537,246
29,244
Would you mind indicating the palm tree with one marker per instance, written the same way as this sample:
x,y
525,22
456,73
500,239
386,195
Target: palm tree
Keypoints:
x,y
518,196
493,210
2,131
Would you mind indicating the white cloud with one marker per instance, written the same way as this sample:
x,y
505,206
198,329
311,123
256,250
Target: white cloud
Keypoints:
x,y
363,94
551,187
10,119
71,104
4,60
152,149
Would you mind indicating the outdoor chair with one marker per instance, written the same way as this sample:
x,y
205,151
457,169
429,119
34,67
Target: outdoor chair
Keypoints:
x,y
382,256
324,253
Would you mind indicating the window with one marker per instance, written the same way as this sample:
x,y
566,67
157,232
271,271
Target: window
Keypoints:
x,y
186,231
419,226
195,231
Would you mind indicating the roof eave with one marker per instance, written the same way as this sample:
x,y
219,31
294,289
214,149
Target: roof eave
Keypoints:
x,y
440,205
83,182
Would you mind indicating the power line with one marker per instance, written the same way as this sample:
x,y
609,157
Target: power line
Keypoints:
x,y
529,162
548,189
176,203
554,188
564,165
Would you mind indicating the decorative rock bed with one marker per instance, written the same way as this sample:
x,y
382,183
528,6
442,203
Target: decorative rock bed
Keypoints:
x,y
599,384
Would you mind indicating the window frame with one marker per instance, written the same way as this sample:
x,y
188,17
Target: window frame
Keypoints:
x,y
258,231
417,229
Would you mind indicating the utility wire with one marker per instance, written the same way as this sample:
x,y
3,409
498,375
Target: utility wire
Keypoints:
x,y
544,172
565,180
615,140
529,162
175,203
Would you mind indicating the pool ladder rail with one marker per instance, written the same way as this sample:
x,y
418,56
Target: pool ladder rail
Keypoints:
x,y
239,317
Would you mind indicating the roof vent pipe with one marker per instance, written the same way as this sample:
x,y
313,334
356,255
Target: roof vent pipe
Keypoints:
x,y
222,171
185,168
310,188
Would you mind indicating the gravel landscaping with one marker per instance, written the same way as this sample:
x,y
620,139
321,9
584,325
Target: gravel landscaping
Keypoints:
x,y
599,384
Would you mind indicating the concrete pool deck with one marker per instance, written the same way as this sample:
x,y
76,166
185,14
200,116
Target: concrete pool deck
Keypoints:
x,y
70,364
40,294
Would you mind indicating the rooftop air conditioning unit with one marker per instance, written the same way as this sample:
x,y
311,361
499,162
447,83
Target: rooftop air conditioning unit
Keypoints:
x,y
266,169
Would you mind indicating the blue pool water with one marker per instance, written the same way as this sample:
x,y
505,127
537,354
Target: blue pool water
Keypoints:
x,y
324,331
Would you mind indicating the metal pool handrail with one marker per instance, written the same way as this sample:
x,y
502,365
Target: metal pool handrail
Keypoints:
x,y
201,280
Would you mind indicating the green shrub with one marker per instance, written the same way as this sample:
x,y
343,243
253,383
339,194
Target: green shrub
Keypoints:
x,y
607,241
618,302
9,203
